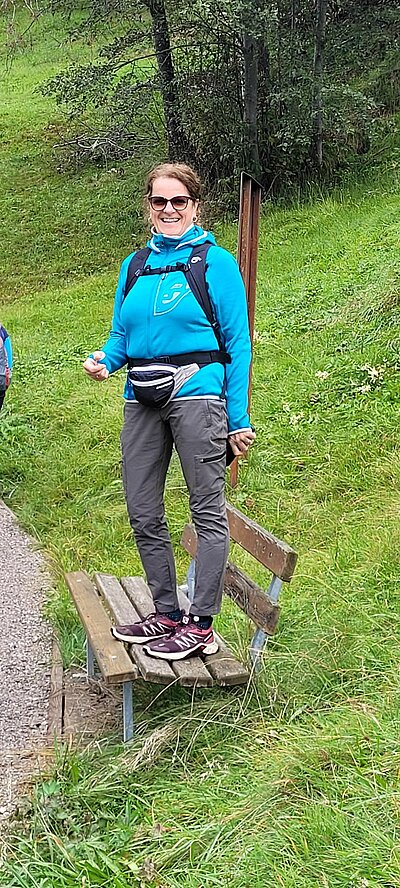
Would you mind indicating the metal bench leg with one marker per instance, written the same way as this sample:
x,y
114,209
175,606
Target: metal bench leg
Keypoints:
x,y
191,578
127,708
89,659
260,637
188,587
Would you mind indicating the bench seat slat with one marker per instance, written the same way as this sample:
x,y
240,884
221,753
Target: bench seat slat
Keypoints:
x,y
223,666
124,612
225,669
114,663
191,672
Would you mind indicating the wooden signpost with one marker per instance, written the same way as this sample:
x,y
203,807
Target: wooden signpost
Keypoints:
x,y
249,223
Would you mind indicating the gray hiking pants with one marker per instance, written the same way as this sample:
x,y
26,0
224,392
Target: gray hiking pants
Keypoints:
x,y
198,429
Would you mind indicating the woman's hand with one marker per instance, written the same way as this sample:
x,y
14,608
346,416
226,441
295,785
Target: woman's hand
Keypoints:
x,y
94,368
241,441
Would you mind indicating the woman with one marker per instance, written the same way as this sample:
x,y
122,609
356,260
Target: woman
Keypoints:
x,y
6,361
188,353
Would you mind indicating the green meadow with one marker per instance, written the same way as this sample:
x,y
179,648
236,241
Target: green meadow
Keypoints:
x,y
293,781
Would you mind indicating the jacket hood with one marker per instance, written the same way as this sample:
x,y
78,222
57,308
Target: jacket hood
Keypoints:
x,y
190,238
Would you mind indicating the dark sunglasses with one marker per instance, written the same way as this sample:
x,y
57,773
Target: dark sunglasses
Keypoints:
x,y
179,202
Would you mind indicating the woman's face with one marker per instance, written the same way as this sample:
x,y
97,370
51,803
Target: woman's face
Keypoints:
x,y
170,220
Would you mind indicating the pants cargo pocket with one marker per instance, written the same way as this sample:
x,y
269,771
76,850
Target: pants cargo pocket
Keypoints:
x,y
210,473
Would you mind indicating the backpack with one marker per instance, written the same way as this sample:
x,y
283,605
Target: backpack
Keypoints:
x,y
5,360
195,273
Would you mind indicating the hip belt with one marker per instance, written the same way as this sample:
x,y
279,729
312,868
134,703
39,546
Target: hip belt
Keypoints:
x,y
202,358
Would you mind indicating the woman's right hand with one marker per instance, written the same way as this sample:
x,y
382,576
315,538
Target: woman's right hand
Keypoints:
x,y
94,368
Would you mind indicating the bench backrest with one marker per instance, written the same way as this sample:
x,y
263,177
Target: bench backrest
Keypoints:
x,y
272,553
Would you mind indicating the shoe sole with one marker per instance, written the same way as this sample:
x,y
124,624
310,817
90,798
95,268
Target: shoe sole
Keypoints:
x,y
181,655
131,639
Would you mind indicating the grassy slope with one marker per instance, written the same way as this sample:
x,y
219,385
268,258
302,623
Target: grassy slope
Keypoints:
x,y
295,784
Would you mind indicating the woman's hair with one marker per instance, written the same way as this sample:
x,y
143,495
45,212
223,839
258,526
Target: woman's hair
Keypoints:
x,y
180,171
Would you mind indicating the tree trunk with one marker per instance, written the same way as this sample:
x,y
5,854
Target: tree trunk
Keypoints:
x,y
251,152
317,107
178,147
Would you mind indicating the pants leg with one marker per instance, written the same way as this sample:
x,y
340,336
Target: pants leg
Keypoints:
x,y
199,429
146,443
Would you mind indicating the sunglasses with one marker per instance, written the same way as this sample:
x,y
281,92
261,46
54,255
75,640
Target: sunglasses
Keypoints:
x,y
179,202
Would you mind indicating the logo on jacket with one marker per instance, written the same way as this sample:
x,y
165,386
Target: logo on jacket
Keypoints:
x,y
195,259
168,300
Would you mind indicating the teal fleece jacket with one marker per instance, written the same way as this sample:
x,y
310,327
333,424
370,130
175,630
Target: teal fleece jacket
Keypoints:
x,y
161,316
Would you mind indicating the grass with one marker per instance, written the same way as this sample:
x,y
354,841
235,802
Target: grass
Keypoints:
x,y
293,781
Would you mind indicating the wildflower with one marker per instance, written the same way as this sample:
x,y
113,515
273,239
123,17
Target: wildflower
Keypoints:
x,y
296,417
374,373
322,374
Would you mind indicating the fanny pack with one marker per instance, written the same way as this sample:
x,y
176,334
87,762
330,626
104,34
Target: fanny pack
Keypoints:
x,y
156,384
156,381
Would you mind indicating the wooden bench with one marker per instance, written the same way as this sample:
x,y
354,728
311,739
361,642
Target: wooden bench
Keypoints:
x,y
106,600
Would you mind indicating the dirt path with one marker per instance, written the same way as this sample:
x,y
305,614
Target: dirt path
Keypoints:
x,y
25,658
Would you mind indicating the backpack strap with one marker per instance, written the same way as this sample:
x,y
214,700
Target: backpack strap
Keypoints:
x,y
135,269
195,274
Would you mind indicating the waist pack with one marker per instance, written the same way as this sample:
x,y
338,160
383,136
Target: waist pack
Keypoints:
x,y
155,384
156,380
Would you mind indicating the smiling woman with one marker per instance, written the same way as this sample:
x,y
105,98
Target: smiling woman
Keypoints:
x,y
172,215
173,202
194,398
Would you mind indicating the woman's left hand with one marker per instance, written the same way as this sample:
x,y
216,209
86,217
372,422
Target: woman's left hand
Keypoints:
x,y
241,441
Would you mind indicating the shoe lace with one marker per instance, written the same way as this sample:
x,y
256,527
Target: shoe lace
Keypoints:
x,y
151,618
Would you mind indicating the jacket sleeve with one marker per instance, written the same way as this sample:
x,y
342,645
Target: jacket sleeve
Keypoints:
x,y
8,348
115,347
229,299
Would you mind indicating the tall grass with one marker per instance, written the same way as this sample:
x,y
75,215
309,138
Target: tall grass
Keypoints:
x,y
294,780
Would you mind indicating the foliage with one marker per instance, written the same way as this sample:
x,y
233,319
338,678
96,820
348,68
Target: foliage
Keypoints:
x,y
122,92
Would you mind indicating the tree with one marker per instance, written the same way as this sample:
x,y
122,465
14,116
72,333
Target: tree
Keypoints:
x,y
178,144
317,110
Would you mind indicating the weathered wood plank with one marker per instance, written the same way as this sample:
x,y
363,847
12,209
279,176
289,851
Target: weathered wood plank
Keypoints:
x,y
251,599
225,669
123,611
273,553
54,719
112,658
243,591
191,672
189,540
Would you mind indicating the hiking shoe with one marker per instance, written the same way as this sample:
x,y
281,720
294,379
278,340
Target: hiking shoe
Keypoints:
x,y
186,641
152,627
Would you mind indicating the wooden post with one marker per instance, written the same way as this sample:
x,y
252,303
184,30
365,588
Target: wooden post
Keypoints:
x,y
249,223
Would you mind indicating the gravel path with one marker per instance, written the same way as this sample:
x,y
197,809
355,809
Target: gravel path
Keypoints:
x,y
25,658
